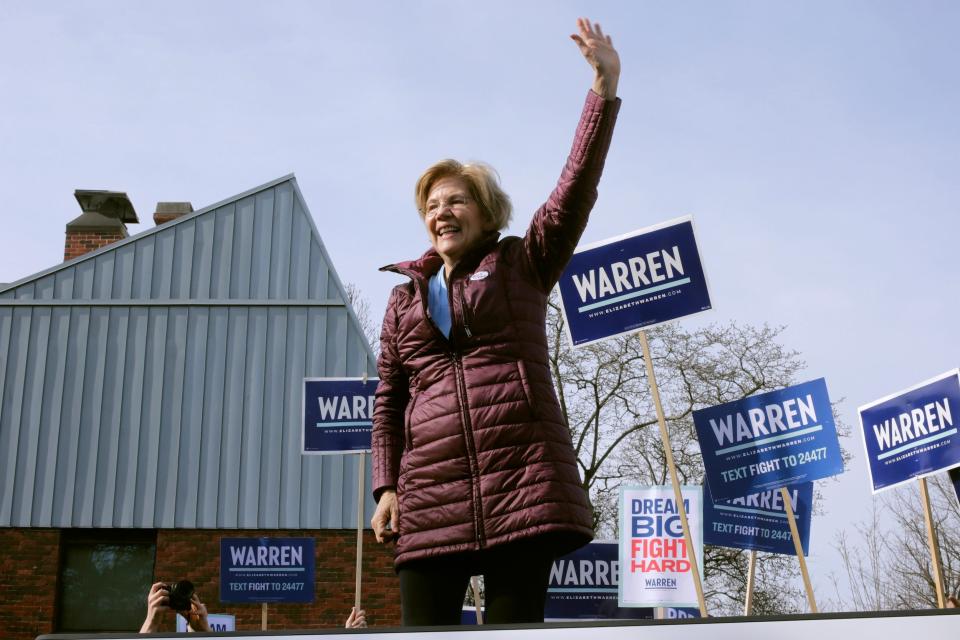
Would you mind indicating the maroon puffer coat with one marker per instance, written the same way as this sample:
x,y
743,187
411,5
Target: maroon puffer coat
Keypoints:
x,y
468,429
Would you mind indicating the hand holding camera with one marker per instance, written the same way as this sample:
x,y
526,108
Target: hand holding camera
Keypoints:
x,y
180,597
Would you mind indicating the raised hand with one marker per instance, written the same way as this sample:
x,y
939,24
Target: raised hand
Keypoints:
x,y
157,606
598,49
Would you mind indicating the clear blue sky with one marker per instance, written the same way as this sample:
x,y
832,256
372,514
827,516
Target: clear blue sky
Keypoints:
x,y
816,144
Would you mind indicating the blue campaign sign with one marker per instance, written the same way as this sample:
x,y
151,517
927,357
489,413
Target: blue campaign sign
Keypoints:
x,y
955,479
769,440
266,569
912,433
759,521
637,280
679,613
337,414
468,615
583,586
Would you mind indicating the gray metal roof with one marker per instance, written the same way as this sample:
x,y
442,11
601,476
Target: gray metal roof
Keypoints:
x,y
156,382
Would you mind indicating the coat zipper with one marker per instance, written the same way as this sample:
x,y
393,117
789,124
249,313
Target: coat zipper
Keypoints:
x,y
461,399
451,287
464,311
471,450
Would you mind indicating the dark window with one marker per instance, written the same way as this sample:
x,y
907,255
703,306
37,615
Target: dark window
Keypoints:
x,y
104,579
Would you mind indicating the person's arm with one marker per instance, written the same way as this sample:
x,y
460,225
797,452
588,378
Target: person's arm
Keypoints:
x,y
558,224
197,618
389,411
156,607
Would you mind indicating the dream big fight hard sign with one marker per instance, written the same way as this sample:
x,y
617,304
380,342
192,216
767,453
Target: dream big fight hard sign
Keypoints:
x,y
655,563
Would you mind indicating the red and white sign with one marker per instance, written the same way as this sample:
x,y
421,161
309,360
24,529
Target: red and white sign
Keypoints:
x,y
655,565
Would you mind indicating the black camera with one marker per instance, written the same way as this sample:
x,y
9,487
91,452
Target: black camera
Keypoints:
x,y
179,594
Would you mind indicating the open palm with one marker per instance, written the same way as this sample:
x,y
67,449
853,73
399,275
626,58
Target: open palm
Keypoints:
x,y
598,50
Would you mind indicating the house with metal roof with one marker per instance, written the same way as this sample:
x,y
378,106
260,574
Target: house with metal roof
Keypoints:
x,y
150,390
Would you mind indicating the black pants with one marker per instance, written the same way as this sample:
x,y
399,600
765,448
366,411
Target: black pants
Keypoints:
x,y
515,580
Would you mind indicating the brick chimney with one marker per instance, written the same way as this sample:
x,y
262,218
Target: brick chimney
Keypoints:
x,y
167,211
103,221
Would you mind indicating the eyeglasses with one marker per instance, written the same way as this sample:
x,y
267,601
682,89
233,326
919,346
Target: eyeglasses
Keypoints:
x,y
456,203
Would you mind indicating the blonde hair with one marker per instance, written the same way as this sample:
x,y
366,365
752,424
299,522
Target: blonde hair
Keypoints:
x,y
484,185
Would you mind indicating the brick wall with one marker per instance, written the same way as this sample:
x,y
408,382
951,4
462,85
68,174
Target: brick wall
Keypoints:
x,y
195,555
29,565
79,243
28,581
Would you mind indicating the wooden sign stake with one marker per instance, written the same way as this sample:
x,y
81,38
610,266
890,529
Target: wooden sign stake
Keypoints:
x,y
263,616
361,472
477,603
751,576
674,480
932,542
795,533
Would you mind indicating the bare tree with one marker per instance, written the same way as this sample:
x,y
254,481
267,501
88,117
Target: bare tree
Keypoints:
x,y
605,397
891,567
863,558
361,307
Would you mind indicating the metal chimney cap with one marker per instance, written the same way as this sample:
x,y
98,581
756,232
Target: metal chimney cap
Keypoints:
x,y
174,208
111,204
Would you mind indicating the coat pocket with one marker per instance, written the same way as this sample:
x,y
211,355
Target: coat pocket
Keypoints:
x,y
408,418
527,391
